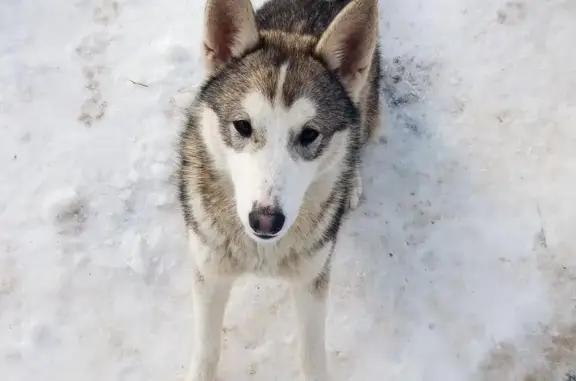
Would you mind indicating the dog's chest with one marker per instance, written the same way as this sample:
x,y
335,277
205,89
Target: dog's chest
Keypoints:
x,y
288,260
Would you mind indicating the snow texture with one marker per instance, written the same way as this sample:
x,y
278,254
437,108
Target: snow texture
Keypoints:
x,y
460,264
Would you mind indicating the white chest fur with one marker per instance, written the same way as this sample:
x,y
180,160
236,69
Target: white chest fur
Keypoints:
x,y
289,261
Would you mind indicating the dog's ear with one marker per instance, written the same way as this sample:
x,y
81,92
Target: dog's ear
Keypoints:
x,y
349,43
229,30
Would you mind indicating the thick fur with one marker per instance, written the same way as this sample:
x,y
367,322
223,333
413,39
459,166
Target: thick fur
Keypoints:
x,y
286,66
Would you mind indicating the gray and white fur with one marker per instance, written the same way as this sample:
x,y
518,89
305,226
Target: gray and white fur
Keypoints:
x,y
270,154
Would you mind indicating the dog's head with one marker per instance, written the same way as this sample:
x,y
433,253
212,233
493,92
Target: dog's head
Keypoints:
x,y
277,108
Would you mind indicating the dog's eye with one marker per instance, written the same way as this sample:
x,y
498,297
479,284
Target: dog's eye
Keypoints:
x,y
308,136
243,127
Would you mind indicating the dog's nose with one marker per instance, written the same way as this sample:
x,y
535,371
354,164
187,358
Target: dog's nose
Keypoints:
x,y
265,222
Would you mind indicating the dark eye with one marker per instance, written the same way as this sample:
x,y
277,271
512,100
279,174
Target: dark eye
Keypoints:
x,y
243,127
308,136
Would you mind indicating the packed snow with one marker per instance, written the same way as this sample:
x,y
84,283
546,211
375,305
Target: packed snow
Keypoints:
x,y
460,264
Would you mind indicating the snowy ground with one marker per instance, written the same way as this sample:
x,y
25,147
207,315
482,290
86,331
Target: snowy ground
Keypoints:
x,y
459,266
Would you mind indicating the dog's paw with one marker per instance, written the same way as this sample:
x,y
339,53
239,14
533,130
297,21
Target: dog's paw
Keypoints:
x,y
356,194
202,371
322,377
199,377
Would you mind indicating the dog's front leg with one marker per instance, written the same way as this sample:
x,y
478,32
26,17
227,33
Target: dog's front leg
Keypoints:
x,y
210,295
310,303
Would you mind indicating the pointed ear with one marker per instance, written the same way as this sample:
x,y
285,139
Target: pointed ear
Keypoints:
x,y
229,31
349,43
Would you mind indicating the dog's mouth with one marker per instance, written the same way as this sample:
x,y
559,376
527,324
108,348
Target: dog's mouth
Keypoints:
x,y
265,236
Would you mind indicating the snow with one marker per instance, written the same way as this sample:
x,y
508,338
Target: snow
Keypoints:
x,y
459,264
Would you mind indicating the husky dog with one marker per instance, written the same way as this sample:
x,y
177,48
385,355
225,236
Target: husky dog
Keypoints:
x,y
270,154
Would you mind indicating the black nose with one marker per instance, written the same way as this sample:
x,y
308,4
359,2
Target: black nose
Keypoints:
x,y
265,222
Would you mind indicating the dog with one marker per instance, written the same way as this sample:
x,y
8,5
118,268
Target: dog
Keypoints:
x,y
270,156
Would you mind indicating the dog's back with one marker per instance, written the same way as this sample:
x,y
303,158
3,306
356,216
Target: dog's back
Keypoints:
x,y
310,17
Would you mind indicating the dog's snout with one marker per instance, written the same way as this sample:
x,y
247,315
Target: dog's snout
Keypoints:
x,y
266,222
